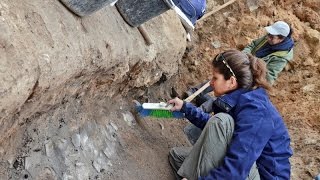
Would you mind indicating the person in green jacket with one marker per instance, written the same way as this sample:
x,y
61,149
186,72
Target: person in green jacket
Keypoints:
x,y
275,49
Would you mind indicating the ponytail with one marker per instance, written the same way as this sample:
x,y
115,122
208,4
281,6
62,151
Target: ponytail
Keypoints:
x,y
259,72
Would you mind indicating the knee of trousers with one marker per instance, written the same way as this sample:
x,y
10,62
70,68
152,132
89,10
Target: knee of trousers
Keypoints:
x,y
223,119
174,154
171,153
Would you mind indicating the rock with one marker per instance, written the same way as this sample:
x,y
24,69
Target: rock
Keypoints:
x,y
109,150
91,128
253,4
317,56
5,34
313,36
82,172
309,88
76,140
62,144
1,151
79,164
46,173
66,176
109,133
84,138
309,141
128,118
32,160
161,126
11,160
309,62
49,145
216,44
232,20
114,126
101,163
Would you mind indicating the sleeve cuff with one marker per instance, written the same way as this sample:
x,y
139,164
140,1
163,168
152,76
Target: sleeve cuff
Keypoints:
x,y
184,106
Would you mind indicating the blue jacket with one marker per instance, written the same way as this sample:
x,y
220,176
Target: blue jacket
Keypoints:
x,y
193,9
260,135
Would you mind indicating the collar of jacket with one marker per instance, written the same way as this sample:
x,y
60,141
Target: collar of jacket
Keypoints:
x,y
276,48
281,53
229,101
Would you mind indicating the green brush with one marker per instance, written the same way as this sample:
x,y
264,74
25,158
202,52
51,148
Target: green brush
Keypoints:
x,y
162,109
157,110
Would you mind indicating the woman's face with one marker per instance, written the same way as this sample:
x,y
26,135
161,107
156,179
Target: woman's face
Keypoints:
x,y
219,84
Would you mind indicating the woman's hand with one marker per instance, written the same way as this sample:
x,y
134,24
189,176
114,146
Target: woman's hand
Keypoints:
x,y
177,104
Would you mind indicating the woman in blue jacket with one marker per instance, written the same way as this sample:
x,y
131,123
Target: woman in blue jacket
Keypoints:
x,y
246,138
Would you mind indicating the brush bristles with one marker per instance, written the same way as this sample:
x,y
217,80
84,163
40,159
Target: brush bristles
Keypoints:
x,y
161,113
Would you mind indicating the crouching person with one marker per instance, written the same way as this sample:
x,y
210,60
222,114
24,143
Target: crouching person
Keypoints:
x,y
246,138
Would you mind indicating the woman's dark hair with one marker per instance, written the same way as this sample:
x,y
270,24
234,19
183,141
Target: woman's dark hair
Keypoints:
x,y
247,69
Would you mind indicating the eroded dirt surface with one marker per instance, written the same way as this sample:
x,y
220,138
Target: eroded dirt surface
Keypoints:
x,y
140,146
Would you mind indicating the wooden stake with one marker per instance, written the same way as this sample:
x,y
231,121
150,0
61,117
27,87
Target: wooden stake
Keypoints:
x,y
145,35
192,96
216,10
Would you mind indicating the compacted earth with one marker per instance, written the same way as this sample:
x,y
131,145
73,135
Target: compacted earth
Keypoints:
x,y
89,135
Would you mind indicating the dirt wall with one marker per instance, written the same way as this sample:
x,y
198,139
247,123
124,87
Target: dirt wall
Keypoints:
x,y
63,110
47,52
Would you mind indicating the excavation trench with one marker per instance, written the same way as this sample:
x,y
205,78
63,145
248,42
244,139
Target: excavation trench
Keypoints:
x,y
67,85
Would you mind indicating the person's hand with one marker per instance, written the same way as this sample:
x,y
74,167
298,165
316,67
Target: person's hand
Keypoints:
x,y
184,179
177,104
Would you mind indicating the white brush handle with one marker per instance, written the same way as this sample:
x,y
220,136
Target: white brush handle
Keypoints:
x,y
157,106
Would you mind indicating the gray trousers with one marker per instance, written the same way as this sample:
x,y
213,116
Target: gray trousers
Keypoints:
x,y
208,152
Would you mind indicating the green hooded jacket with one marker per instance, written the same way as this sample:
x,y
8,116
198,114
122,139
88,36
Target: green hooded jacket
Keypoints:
x,y
276,61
